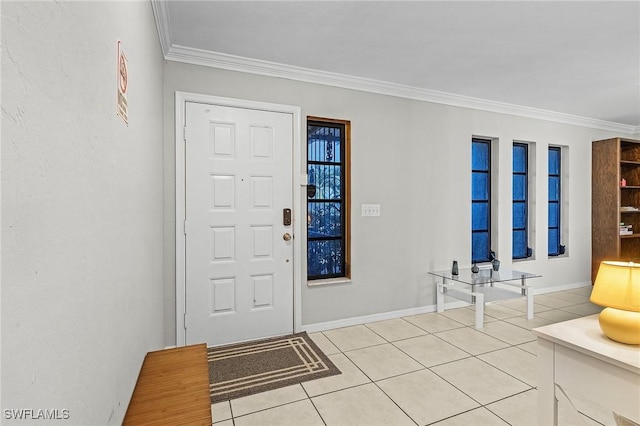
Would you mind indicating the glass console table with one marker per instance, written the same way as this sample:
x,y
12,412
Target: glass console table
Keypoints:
x,y
484,286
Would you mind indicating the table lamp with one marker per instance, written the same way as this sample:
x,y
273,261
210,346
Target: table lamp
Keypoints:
x,y
617,288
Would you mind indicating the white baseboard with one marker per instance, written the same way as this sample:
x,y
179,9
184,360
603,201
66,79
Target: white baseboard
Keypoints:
x,y
551,289
348,322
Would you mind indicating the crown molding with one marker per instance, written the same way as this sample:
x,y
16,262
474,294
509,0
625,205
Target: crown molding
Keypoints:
x,y
207,58
161,16
272,69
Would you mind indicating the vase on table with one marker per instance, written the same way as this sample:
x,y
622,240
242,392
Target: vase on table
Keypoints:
x,y
495,263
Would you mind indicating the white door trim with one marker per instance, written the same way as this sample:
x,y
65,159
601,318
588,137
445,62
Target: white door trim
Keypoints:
x,y
180,118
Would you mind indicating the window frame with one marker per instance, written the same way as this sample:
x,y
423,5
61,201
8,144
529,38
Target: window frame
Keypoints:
x,y
525,202
560,249
488,201
345,198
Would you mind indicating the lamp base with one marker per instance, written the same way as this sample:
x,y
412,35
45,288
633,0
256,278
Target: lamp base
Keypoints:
x,y
621,326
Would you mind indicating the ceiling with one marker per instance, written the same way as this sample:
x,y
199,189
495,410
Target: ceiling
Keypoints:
x,y
574,61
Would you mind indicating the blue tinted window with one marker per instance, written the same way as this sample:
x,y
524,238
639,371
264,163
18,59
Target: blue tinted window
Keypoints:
x,y
553,215
554,237
480,158
480,186
554,161
519,215
519,244
480,216
480,199
480,246
520,187
520,201
554,188
555,247
520,158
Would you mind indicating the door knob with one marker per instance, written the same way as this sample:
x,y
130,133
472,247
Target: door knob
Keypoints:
x,y
286,236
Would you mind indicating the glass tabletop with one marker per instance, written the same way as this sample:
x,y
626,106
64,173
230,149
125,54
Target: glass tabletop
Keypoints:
x,y
484,276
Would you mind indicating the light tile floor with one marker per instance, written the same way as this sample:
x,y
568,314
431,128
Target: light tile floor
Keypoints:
x,y
428,369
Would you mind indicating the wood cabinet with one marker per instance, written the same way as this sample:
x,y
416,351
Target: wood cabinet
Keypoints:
x,y
614,201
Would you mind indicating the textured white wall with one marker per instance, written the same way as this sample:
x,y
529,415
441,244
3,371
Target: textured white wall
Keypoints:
x,y
413,158
81,207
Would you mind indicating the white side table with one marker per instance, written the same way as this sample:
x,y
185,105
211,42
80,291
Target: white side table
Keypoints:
x,y
576,356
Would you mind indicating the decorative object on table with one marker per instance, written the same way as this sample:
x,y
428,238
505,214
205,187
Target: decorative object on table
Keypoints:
x,y
454,268
495,263
617,288
474,268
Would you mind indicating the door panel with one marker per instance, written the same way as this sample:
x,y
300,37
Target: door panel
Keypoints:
x,y
239,268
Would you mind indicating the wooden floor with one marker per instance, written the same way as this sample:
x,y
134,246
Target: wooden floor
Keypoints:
x,y
172,389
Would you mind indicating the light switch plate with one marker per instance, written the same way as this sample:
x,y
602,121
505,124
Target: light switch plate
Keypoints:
x,y
371,210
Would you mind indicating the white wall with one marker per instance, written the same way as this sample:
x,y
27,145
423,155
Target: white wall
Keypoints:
x,y
82,207
413,158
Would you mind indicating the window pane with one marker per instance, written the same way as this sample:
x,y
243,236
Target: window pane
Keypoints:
x,y
480,196
479,186
519,215
553,215
326,224
480,244
519,201
519,244
554,201
324,258
480,216
554,161
480,156
324,220
519,158
554,188
327,180
324,144
554,241
519,187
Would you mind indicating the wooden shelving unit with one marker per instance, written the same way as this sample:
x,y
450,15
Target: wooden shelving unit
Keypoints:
x,y
613,160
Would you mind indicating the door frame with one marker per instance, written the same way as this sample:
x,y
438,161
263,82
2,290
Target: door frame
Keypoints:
x,y
181,98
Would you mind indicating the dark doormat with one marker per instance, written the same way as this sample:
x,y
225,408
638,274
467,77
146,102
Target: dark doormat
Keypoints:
x,y
247,368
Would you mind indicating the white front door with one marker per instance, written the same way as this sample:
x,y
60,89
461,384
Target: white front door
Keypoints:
x,y
238,244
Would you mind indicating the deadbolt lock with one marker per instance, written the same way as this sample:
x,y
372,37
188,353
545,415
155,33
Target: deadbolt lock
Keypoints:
x,y
286,217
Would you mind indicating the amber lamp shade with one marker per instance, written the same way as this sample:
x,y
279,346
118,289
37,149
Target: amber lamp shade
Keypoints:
x,y
617,288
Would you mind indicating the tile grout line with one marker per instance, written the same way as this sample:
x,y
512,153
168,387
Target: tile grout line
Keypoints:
x,y
393,343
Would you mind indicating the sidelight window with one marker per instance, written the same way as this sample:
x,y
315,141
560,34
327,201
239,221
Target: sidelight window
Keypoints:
x,y
327,198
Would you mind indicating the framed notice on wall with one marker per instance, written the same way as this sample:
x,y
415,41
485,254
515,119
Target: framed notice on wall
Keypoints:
x,y
122,108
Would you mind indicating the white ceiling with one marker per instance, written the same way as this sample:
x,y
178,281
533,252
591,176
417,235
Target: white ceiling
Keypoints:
x,y
575,58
